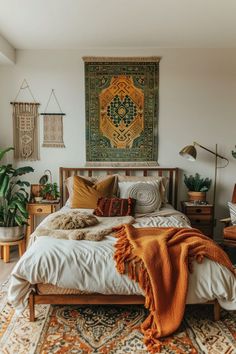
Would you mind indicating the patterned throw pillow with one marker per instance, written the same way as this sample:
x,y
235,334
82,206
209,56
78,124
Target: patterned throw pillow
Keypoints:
x,y
232,209
115,207
147,195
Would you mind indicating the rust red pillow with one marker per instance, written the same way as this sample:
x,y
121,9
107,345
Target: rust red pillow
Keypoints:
x,y
114,207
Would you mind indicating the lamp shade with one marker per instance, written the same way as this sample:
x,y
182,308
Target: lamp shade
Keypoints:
x,y
189,152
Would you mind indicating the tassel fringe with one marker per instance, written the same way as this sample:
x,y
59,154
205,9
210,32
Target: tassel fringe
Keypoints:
x,y
196,247
133,266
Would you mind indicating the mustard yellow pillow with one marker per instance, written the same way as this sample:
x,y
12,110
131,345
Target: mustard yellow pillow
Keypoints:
x,y
86,193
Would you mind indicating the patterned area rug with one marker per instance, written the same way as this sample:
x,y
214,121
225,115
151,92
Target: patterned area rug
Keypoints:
x,y
109,330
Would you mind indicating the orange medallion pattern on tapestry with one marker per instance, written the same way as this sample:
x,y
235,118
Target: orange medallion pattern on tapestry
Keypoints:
x,y
121,112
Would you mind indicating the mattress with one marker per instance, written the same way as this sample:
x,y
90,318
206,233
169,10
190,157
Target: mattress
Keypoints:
x,y
82,267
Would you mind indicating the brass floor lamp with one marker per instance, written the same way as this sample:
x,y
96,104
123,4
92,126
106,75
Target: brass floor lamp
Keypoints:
x,y
190,153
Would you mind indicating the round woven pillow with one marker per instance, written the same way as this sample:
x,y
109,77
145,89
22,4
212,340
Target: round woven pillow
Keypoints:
x,y
147,197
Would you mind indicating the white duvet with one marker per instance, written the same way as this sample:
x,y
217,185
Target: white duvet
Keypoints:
x,y
89,266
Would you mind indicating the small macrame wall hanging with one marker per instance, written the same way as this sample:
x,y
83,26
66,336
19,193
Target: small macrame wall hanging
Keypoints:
x,y
53,126
25,127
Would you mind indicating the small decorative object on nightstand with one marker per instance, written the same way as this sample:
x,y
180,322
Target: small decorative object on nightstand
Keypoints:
x,y
37,209
200,216
44,189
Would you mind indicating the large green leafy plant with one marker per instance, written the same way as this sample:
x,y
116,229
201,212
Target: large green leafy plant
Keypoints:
x,y
13,194
196,183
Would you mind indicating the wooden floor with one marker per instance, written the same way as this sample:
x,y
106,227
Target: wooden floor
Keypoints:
x,y
6,268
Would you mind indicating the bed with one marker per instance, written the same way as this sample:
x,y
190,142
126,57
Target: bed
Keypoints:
x,y
54,293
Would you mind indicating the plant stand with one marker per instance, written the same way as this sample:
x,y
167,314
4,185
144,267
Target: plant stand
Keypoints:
x,y
5,248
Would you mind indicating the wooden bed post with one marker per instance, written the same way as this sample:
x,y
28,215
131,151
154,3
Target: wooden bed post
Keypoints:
x,y
32,307
216,311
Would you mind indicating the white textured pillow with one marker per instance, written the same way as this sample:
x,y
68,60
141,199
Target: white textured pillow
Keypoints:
x,y
232,209
162,180
147,195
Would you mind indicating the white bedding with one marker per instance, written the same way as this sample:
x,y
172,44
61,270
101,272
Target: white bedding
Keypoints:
x,y
89,266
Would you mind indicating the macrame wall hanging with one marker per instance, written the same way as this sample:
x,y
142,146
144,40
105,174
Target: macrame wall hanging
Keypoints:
x,y
53,126
25,127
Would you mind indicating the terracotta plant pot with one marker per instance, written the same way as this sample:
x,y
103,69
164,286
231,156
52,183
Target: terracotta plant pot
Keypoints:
x,y
49,197
195,196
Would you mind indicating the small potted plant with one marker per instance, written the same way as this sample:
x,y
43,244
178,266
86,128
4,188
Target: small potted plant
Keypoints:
x,y
197,187
13,200
50,191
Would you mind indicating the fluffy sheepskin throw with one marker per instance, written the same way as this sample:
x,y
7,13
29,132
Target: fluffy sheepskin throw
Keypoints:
x,y
72,220
75,225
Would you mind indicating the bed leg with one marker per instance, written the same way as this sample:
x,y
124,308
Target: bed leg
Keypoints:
x,y
31,307
216,311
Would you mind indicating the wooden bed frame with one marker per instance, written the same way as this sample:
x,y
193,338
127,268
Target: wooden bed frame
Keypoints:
x,y
92,299
171,173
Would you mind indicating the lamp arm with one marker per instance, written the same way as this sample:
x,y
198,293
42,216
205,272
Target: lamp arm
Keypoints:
x,y
212,152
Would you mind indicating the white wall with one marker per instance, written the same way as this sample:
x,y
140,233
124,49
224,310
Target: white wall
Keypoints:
x,y
7,52
197,103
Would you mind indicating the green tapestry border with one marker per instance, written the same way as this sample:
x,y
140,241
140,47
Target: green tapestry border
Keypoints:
x,y
121,59
99,74
122,164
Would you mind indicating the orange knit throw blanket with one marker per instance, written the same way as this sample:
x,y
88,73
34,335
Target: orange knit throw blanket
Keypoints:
x,y
159,260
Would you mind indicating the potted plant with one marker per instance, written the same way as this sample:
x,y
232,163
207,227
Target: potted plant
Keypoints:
x,y
197,187
50,191
13,200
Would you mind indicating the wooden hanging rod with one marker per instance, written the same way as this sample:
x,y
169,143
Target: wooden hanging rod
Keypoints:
x,y
38,104
52,114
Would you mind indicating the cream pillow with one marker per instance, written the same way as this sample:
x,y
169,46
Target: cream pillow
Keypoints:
x,y
162,180
146,194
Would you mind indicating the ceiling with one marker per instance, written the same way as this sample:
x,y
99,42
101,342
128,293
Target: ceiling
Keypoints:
x,y
74,24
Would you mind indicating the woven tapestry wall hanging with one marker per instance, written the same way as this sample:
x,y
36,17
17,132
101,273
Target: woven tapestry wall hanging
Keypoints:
x,y
121,110
53,126
25,130
53,130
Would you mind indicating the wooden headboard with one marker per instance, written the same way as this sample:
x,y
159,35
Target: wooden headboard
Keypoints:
x,y
171,173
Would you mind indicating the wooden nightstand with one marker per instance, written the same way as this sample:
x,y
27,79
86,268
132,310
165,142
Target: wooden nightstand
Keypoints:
x,y
200,216
37,209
